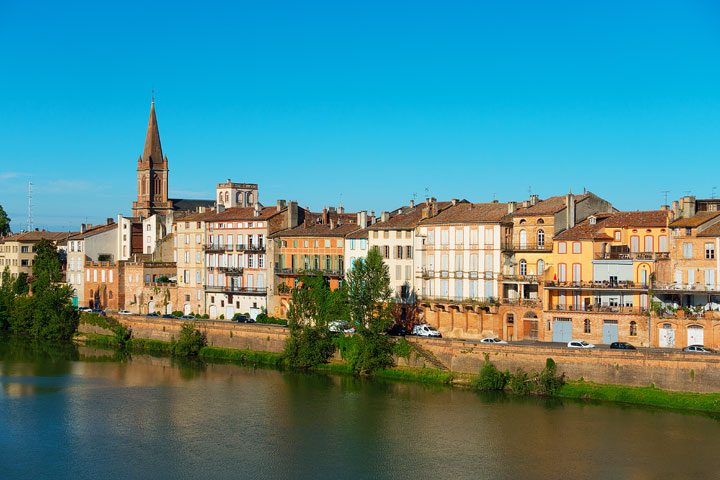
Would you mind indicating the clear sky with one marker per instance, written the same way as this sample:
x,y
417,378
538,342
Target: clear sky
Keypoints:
x,y
359,102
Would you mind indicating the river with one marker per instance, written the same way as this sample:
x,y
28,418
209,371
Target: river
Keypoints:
x,y
69,414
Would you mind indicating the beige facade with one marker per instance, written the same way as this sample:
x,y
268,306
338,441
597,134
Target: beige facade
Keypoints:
x,y
17,252
190,240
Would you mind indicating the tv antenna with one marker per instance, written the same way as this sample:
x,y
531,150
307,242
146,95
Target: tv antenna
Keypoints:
x,y
712,195
665,192
29,223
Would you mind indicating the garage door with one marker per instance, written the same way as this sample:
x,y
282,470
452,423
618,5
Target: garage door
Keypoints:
x,y
667,336
610,331
562,330
696,335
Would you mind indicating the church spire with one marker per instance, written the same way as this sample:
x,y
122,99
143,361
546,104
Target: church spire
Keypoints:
x,y
152,151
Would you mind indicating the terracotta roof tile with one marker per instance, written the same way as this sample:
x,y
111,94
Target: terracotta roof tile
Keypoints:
x,y
317,230
465,212
713,231
407,217
646,218
359,233
93,231
244,213
37,235
549,206
696,220
588,231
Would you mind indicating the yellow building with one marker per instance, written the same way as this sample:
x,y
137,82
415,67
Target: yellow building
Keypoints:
x,y
190,240
17,252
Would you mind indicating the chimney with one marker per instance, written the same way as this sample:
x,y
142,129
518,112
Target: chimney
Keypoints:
x,y
454,201
688,206
256,209
412,203
533,199
384,216
280,205
362,219
83,227
511,207
325,216
569,210
292,215
341,209
109,221
332,224
525,204
664,208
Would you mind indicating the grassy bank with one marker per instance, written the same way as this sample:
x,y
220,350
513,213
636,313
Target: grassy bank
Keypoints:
x,y
650,396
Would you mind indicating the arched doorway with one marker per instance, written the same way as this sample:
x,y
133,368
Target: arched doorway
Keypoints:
x,y
213,311
187,309
530,325
151,307
666,336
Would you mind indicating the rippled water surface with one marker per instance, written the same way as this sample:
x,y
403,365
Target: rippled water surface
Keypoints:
x,y
76,415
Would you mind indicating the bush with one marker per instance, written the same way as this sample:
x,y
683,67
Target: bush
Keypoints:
x,y
190,343
402,348
177,313
549,382
308,347
205,316
491,379
267,319
521,382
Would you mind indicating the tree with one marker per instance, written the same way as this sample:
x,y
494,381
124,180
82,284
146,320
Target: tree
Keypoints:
x,y
4,223
47,268
370,308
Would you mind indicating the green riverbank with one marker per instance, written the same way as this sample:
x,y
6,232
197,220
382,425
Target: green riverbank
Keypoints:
x,y
578,390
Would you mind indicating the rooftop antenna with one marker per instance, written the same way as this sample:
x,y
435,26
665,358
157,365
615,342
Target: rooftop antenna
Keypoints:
x,y
687,193
665,192
29,222
712,195
427,192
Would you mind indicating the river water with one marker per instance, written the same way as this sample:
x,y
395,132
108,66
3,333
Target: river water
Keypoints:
x,y
66,414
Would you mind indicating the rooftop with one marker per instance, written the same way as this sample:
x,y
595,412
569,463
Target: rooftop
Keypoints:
x,y
549,206
407,217
589,231
37,235
465,212
694,221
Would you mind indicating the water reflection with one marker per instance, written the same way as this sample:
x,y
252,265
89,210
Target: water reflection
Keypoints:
x,y
149,417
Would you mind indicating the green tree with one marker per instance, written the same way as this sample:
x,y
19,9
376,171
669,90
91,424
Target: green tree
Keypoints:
x,y
190,343
47,268
7,298
370,309
4,223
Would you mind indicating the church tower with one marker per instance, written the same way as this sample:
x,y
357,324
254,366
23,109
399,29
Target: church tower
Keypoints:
x,y
152,174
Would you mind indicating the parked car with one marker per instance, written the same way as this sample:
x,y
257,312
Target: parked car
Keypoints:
x,y
153,314
579,344
494,340
241,318
98,311
85,310
167,315
124,312
187,317
622,346
698,349
397,330
340,326
425,330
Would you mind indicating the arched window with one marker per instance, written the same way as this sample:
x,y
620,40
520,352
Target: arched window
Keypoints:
x,y
540,221
633,328
540,267
238,200
541,238
586,326
220,197
523,267
227,197
250,199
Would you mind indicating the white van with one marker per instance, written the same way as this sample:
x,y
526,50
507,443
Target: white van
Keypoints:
x,y
425,330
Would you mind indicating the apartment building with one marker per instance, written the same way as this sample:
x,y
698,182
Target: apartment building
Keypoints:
x,y
600,276
92,243
190,243
104,285
17,252
148,286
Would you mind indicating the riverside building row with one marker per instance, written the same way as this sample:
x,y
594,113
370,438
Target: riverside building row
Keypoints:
x,y
546,269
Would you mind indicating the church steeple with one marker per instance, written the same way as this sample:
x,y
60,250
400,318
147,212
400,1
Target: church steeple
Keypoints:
x,y
152,174
153,150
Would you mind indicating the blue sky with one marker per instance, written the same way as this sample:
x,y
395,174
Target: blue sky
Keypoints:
x,y
364,103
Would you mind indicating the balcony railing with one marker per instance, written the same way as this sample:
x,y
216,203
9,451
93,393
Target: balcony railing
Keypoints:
x,y
686,287
215,247
520,278
459,300
303,271
250,247
525,302
527,247
598,309
620,285
632,256
457,274
241,247
231,270
236,289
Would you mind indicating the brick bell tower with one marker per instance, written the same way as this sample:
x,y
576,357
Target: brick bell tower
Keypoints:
x,y
152,174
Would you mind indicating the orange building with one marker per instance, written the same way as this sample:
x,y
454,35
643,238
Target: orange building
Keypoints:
x,y
104,285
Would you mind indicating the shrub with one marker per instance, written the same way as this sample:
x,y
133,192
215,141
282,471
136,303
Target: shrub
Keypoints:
x,y
549,382
177,313
190,342
402,348
205,316
267,319
308,347
490,377
521,382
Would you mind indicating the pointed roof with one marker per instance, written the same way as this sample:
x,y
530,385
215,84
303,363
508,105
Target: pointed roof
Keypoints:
x,y
152,149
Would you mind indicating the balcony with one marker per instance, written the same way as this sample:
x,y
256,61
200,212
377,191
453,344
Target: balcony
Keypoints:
x,y
215,247
527,247
483,301
646,256
234,289
689,288
598,309
303,271
231,270
457,274
602,285
524,302
520,278
250,247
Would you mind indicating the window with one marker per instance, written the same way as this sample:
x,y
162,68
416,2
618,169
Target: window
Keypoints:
x,y
431,237
408,252
662,243
709,251
586,326
633,328
540,267
339,243
648,243
398,271
635,244
399,253
523,267
687,250
444,237
541,238
617,235
576,270
576,247
458,236
363,244
305,243
149,227
352,244
386,251
562,247
488,236
327,243
562,272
